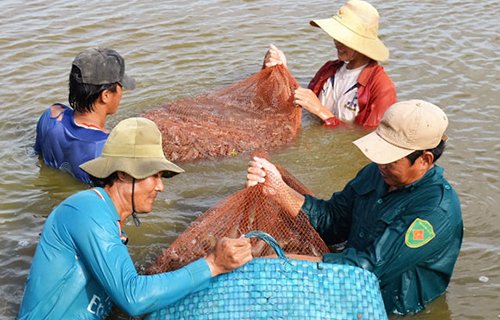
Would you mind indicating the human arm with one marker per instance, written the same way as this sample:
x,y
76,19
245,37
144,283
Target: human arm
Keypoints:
x,y
331,218
107,259
273,57
261,171
318,81
372,219
412,249
308,100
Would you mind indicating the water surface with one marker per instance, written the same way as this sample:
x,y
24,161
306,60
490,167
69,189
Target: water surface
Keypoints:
x,y
445,52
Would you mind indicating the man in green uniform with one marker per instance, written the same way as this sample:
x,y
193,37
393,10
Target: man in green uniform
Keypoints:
x,y
399,216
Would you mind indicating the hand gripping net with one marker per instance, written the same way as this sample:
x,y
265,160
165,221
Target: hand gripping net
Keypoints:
x,y
256,113
244,211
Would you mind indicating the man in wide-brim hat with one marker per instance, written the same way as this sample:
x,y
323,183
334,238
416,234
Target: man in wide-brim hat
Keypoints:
x,y
354,88
82,265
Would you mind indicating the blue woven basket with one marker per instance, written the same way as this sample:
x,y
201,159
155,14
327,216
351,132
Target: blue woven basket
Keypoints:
x,y
283,288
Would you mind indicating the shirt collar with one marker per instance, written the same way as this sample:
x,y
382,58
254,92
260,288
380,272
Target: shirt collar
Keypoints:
x,y
367,73
104,196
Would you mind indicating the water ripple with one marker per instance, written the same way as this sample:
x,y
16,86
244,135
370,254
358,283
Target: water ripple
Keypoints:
x,y
442,51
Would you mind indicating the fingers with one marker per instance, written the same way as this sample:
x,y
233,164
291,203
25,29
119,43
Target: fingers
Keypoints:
x,y
253,179
300,97
263,163
255,174
258,169
273,60
307,100
274,57
229,254
239,243
302,94
250,183
300,91
262,171
239,251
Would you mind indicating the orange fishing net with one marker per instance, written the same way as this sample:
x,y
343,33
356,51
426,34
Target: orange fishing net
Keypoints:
x,y
244,211
256,113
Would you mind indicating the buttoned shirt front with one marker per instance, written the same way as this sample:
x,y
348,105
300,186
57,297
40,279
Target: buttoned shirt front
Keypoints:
x,y
409,238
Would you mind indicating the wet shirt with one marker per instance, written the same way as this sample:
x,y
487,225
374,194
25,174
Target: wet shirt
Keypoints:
x,y
64,145
375,91
81,267
409,238
340,93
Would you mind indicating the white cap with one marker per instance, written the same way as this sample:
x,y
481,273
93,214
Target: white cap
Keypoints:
x,y
406,126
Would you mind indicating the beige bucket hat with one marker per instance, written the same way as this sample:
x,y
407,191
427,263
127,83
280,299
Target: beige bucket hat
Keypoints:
x,y
356,26
134,146
406,126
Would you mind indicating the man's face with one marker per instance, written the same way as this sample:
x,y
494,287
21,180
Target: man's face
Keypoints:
x,y
115,99
146,191
344,53
401,172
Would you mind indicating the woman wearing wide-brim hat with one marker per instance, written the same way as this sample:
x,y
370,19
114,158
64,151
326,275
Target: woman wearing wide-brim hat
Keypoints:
x,y
354,88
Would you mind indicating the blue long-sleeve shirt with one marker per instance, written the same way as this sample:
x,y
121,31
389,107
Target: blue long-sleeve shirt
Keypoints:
x,y
81,267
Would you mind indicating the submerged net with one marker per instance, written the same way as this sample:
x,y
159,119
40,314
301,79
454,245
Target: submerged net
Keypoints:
x,y
244,211
256,113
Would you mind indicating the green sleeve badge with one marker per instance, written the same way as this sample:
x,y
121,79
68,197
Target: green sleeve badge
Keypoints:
x,y
419,233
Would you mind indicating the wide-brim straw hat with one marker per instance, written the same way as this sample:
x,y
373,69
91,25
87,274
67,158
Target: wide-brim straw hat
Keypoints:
x,y
407,126
356,26
134,146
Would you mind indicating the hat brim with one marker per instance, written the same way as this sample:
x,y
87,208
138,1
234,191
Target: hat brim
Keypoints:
x,y
380,151
128,82
138,168
373,48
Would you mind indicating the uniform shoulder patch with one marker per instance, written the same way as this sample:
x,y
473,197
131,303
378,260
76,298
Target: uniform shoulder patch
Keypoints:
x,y
419,233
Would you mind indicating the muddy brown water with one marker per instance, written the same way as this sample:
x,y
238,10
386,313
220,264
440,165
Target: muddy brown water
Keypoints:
x,y
442,51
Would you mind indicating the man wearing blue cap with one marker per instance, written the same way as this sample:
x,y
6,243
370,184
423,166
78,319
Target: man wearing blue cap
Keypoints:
x,y
67,137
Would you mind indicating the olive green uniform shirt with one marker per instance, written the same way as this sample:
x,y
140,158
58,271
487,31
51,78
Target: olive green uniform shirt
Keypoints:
x,y
409,238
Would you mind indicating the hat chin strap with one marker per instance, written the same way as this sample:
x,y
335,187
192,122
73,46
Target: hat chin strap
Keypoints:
x,y
137,222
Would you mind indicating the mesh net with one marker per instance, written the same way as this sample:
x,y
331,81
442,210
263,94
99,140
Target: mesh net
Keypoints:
x,y
256,113
244,211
